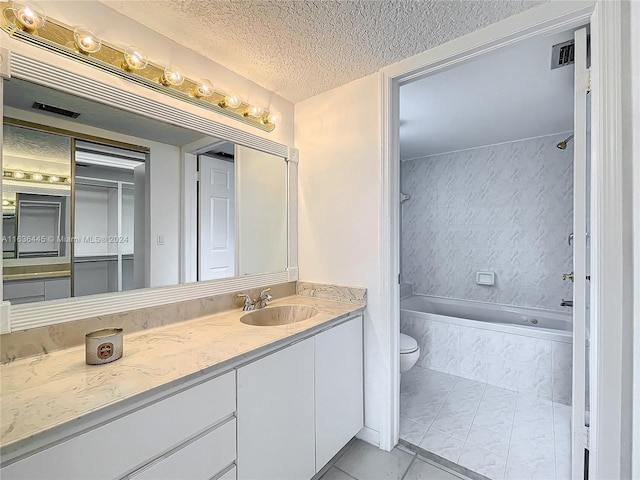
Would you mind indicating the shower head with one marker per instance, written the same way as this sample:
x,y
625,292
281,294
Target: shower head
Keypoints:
x,y
563,144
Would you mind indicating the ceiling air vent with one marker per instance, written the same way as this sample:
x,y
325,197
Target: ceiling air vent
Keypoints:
x,y
56,110
562,54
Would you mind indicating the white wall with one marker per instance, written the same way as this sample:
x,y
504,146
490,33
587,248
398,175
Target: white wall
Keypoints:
x,y
337,133
261,195
164,176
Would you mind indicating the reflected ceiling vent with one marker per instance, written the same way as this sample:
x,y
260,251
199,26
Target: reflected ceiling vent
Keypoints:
x,y
562,54
56,110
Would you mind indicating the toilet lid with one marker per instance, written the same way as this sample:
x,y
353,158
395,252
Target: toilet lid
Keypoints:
x,y
407,344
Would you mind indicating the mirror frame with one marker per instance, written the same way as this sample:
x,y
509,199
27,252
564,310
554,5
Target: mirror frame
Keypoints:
x,y
24,64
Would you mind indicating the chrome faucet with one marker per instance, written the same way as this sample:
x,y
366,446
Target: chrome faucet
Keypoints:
x,y
264,298
260,302
248,303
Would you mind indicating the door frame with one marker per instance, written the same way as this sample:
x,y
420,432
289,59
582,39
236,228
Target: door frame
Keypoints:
x,y
610,242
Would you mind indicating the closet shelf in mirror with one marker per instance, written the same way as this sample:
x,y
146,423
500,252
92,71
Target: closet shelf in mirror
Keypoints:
x,y
108,257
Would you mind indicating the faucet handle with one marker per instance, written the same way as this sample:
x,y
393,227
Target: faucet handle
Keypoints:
x,y
248,303
264,298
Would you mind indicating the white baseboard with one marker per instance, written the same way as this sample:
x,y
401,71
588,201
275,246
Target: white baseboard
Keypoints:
x,y
369,435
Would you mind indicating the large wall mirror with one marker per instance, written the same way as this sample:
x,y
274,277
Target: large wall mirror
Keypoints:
x,y
94,199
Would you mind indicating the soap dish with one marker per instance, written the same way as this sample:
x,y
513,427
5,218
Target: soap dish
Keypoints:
x,y
103,346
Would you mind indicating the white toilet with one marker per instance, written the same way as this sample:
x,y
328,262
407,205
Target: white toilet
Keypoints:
x,y
409,352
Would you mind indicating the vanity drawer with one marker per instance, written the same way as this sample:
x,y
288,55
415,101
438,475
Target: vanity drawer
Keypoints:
x,y
129,442
200,460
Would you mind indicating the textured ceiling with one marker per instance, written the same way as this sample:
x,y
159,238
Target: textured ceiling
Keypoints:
x,y
299,48
30,145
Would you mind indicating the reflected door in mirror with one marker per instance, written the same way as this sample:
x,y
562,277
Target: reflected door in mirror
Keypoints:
x,y
216,204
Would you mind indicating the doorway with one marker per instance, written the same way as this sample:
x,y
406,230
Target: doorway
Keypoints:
x,y
607,208
487,169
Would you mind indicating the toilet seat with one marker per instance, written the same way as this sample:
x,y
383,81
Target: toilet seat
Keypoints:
x,y
407,344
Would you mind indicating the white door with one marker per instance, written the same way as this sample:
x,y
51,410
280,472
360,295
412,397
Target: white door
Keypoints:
x,y
580,413
216,225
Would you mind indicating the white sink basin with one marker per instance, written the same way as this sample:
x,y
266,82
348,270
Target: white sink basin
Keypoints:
x,y
279,315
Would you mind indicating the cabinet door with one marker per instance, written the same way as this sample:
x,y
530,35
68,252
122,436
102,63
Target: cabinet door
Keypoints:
x,y
338,388
275,416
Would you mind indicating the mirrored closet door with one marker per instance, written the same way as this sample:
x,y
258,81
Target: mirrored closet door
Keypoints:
x,y
109,199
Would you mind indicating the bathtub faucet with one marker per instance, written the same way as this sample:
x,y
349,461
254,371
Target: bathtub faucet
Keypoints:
x,y
566,303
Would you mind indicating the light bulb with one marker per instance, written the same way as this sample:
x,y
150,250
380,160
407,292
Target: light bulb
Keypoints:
x,y
230,101
271,118
134,59
203,89
18,174
37,177
5,203
171,77
53,179
254,111
29,15
86,41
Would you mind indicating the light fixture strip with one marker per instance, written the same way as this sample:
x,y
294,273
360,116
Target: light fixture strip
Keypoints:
x,y
34,177
57,37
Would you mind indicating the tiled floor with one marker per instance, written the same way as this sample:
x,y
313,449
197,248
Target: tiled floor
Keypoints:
x,y
496,432
362,461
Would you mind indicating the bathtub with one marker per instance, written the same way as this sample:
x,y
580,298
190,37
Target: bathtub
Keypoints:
x,y
521,349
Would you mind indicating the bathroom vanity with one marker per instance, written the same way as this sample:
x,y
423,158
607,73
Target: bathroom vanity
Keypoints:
x,y
206,398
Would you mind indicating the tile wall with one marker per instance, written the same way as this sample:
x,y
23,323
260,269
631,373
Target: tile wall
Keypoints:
x,y
514,362
504,208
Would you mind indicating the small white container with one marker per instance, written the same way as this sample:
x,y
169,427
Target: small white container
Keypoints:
x,y
103,346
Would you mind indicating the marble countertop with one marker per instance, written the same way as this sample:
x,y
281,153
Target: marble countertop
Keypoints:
x,y
42,393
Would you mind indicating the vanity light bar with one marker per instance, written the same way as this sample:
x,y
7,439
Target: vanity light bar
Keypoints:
x,y
38,177
80,45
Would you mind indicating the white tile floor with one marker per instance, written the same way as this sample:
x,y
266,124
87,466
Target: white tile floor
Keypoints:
x,y
361,461
496,432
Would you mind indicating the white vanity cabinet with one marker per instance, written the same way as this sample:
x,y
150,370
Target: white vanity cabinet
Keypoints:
x,y
190,431
282,416
275,416
338,388
36,290
299,406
